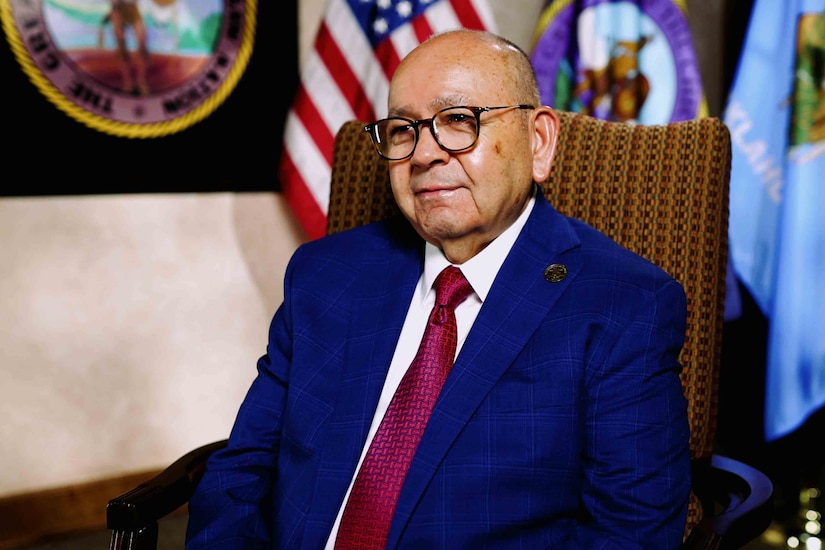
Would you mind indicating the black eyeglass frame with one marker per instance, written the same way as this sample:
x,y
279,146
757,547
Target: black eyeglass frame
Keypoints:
x,y
416,124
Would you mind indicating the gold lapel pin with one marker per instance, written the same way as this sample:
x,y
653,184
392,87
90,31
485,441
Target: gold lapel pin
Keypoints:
x,y
555,273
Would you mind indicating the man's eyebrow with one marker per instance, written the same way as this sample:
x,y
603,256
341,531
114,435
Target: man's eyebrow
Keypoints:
x,y
435,105
448,101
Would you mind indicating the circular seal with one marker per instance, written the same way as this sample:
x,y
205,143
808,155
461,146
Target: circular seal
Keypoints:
x,y
631,61
132,68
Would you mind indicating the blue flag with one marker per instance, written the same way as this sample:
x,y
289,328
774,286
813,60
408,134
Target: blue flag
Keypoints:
x,y
776,114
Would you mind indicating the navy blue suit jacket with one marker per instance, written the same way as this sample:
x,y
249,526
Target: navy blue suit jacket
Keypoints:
x,y
562,423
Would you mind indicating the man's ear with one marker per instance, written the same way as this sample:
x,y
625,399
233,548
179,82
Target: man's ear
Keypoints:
x,y
546,128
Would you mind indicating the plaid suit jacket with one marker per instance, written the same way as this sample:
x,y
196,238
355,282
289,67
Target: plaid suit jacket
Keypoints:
x,y
562,423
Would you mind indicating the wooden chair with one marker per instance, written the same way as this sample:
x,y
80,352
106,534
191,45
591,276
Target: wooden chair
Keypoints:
x,y
661,191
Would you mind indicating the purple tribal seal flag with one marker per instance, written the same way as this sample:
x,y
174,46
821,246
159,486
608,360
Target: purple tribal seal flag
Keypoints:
x,y
629,61
132,68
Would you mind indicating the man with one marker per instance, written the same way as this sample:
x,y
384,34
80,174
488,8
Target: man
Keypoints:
x,y
562,422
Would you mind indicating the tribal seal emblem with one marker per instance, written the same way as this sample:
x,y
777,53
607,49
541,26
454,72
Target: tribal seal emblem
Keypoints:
x,y
132,68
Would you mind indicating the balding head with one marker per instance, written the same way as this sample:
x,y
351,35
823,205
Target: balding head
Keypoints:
x,y
469,47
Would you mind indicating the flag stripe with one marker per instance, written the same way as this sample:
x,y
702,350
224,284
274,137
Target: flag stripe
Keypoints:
x,y
305,204
348,83
387,56
421,29
469,17
442,17
312,120
346,76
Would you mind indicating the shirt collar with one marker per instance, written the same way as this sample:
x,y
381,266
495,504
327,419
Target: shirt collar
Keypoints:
x,y
481,269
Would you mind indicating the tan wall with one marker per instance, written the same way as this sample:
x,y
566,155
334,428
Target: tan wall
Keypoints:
x,y
131,324
130,327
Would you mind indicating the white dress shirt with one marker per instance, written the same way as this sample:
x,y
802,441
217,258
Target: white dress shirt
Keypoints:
x,y
480,271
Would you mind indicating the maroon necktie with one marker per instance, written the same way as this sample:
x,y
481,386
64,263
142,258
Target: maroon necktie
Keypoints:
x,y
368,514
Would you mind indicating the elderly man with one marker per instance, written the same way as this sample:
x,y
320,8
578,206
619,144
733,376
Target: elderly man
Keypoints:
x,y
482,372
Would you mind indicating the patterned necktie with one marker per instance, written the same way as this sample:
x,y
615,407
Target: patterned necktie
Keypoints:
x,y
366,520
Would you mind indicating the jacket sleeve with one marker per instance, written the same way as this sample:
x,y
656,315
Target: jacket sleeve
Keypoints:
x,y
637,448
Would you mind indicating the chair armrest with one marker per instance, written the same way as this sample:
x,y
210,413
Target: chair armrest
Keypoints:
x,y
163,494
737,501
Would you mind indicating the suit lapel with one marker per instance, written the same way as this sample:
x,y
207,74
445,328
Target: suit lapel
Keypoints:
x,y
519,300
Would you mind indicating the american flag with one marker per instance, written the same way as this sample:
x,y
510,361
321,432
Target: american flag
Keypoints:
x,y
346,76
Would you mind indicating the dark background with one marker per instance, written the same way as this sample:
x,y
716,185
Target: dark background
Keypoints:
x,y
236,148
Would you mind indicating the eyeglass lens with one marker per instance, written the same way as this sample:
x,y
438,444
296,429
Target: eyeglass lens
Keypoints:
x,y
455,129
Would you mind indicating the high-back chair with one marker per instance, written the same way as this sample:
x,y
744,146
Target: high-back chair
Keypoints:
x,y
661,191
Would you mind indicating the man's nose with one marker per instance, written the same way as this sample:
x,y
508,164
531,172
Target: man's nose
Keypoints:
x,y
427,146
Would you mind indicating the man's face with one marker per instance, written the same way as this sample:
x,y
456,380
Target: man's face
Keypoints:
x,y
461,201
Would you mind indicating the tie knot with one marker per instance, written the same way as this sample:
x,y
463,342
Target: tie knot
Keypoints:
x,y
451,288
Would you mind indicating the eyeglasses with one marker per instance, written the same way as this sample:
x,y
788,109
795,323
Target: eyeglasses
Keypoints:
x,y
454,129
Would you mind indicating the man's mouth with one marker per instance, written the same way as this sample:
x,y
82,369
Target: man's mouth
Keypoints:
x,y
434,192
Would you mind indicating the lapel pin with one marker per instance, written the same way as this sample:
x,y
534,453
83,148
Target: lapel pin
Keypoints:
x,y
555,273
